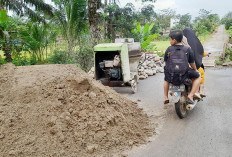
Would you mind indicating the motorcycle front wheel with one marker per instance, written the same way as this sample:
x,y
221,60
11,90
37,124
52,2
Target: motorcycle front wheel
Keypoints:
x,y
181,110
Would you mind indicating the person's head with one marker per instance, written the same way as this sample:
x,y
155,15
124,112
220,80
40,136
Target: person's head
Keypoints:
x,y
175,37
188,33
195,45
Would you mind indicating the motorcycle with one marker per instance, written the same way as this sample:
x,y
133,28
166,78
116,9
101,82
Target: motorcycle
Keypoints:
x,y
179,94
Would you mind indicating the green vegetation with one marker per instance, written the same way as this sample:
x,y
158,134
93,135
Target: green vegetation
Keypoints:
x,y
161,45
228,54
67,31
2,60
161,54
229,31
205,23
227,21
145,37
227,58
204,37
219,62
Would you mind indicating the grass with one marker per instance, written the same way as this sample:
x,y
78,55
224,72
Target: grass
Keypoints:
x,y
229,32
219,62
161,45
26,58
50,49
203,38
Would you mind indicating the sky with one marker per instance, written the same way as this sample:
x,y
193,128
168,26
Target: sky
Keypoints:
x,y
220,7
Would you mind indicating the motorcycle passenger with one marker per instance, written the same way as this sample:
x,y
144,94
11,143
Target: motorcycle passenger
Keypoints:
x,y
199,53
177,60
202,72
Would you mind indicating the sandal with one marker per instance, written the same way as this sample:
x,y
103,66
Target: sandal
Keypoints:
x,y
166,101
197,95
202,95
189,101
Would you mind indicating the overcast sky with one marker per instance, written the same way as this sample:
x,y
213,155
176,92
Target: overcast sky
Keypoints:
x,y
220,7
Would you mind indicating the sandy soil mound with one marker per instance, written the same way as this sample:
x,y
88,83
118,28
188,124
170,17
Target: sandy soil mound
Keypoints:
x,y
56,110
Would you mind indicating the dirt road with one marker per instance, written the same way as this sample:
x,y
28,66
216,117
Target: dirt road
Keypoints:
x,y
207,131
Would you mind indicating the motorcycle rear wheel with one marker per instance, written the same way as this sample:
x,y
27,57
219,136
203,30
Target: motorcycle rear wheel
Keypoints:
x,y
181,110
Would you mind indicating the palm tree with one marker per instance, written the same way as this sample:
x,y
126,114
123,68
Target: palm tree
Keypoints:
x,y
22,7
93,6
71,16
31,8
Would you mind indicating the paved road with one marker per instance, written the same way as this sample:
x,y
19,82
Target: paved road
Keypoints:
x,y
215,45
207,131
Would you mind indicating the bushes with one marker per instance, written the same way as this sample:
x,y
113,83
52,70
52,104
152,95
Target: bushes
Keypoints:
x,y
2,61
83,57
228,23
58,57
21,61
230,31
205,23
161,54
163,38
228,54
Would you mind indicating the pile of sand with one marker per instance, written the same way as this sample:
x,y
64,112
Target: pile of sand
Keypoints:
x,y
56,110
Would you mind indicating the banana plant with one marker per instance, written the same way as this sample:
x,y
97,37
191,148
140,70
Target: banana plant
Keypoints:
x,y
145,36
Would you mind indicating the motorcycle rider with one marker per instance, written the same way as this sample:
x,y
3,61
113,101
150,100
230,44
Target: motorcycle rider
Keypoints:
x,y
176,48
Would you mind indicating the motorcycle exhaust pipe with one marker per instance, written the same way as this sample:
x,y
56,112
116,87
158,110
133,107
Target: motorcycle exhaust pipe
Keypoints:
x,y
191,106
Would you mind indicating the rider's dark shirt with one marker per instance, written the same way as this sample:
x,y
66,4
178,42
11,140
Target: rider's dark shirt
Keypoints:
x,y
190,54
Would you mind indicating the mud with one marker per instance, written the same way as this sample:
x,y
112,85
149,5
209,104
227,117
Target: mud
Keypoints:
x,y
57,110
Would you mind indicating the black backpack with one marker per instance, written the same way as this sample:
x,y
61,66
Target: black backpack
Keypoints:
x,y
177,64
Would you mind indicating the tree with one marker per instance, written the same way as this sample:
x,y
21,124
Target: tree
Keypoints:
x,y
123,20
9,37
93,6
228,23
148,13
229,15
214,20
22,7
71,15
113,14
184,21
34,39
227,20
203,14
164,18
205,22
5,25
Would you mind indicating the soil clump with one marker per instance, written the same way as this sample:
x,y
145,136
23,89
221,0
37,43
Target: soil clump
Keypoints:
x,y
58,110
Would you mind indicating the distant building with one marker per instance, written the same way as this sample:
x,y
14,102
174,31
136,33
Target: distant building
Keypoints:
x,y
173,22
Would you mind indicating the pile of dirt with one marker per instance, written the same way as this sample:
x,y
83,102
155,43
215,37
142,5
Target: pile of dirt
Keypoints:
x,y
56,110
